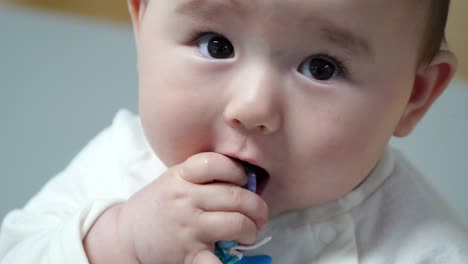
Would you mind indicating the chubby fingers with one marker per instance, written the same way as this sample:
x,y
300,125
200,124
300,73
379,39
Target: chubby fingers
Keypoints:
x,y
219,197
211,167
218,226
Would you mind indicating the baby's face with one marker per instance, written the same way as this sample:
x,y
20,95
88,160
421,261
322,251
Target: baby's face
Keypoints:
x,y
310,90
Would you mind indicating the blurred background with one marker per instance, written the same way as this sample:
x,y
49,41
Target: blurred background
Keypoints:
x,y
67,66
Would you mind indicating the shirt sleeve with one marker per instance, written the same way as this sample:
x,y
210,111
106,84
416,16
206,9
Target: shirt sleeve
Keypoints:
x,y
52,225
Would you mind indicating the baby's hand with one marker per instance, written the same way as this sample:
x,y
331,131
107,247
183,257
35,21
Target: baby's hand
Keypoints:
x,y
178,217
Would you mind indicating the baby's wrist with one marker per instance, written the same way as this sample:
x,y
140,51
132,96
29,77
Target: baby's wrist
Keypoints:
x,y
104,242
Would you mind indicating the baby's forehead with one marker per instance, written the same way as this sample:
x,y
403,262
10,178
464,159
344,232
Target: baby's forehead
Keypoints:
x,y
401,12
301,3
294,9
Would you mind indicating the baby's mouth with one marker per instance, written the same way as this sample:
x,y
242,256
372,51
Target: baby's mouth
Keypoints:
x,y
261,176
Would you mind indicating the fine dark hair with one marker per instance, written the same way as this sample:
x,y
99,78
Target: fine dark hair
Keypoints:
x,y
434,34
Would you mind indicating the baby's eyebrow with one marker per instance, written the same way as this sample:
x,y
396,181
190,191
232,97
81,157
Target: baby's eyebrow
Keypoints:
x,y
346,39
208,8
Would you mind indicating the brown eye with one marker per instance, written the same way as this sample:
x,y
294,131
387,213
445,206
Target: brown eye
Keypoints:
x,y
318,68
215,46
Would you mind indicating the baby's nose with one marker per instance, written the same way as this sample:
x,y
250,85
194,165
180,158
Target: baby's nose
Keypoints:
x,y
255,107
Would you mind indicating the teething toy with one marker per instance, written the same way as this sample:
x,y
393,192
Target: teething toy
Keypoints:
x,y
229,252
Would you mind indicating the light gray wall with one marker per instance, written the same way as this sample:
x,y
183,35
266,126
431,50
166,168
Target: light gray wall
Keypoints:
x,y
62,80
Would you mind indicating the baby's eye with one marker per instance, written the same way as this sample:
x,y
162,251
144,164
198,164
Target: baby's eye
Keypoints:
x,y
320,68
215,46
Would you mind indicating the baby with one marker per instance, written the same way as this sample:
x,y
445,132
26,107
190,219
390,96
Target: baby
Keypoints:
x,y
304,93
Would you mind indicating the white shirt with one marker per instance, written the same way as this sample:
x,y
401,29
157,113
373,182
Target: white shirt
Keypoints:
x,y
394,216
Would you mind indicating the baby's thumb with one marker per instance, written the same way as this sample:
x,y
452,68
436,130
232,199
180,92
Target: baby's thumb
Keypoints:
x,y
206,257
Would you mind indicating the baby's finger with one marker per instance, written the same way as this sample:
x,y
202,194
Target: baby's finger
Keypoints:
x,y
218,197
210,167
218,226
206,257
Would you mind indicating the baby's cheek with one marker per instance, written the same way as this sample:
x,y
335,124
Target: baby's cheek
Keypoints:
x,y
328,143
330,165
176,134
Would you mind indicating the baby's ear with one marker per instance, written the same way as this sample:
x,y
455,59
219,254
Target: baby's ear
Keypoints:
x,y
429,84
136,8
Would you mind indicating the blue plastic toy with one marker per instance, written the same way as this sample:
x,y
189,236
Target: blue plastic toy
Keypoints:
x,y
226,250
